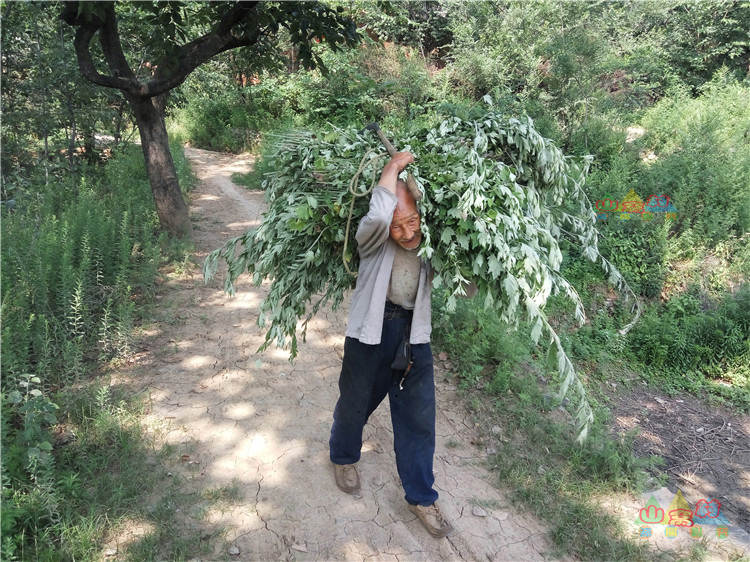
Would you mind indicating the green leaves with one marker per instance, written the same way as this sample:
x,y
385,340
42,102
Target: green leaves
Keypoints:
x,y
495,268
494,190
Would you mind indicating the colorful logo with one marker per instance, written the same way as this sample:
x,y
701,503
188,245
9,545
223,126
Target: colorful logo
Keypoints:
x,y
632,203
679,514
633,206
707,509
657,203
607,205
652,513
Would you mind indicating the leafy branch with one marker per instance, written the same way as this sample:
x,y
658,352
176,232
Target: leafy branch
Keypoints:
x,y
498,198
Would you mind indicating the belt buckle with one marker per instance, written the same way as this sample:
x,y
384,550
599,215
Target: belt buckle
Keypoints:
x,y
392,312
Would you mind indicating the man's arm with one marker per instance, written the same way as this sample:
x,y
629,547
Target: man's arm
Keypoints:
x,y
373,230
389,176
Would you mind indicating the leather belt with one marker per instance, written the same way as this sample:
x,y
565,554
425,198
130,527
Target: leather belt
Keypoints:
x,y
395,311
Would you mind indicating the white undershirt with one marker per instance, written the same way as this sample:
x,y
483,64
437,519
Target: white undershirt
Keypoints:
x,y
402,289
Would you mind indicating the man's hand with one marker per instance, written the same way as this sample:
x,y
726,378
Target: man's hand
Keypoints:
x,y
393,168
401,160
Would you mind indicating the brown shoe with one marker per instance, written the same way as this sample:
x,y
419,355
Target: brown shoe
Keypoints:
x,y
432,519
347,478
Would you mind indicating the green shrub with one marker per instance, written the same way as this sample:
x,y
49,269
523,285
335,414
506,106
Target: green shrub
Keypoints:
x,y
638,250
699,157
373,83
496,46
78,254
597,136
481,348
690,338
216,124
702,160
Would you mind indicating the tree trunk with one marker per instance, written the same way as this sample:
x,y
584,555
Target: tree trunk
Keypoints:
x,y
73,133
170,206
119,119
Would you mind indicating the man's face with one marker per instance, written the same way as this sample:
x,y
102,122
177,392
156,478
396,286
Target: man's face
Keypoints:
x,y
406,226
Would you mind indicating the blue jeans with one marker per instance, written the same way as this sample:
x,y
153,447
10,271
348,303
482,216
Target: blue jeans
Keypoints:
x,y
366,377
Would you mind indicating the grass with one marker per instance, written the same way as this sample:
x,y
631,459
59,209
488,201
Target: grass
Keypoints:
x,y
558,480
82,478
506,385
538,460
114,490
103,467
452,443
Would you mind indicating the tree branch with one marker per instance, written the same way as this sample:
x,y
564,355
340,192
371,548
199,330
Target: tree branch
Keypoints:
x,y
191,55
234,16
171,71
82,45
87,28
109,37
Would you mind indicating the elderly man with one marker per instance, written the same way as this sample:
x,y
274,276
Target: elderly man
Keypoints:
x,y
390,320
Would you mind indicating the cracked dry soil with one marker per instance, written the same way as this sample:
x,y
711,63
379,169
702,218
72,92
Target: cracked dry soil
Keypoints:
x,y
259,425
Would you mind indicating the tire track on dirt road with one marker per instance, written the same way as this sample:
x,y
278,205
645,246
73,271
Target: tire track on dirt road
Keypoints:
x,y
261,424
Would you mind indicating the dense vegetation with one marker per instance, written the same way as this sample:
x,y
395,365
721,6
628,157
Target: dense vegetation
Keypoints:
x,y
608,79
657,92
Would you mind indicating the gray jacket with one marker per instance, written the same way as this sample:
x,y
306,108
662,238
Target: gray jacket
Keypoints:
x,y
376,252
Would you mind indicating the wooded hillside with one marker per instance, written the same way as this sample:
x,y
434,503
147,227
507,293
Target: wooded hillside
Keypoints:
x,y
645,104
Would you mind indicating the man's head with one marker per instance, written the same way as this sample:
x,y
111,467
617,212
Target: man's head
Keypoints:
x,y
407,222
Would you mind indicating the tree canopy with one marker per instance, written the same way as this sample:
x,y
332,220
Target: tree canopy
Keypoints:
x,y
179,37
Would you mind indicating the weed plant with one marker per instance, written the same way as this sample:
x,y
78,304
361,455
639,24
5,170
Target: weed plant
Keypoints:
x,y
702,159
375,83
80,257
534,454
692,344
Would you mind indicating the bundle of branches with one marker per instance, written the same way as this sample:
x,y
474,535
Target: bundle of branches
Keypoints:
x,y
498,198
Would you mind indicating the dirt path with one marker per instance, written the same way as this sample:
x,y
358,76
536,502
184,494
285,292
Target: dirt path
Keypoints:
x,y
259,425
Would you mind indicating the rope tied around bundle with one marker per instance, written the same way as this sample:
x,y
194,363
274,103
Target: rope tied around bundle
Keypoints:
x,y
363,164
